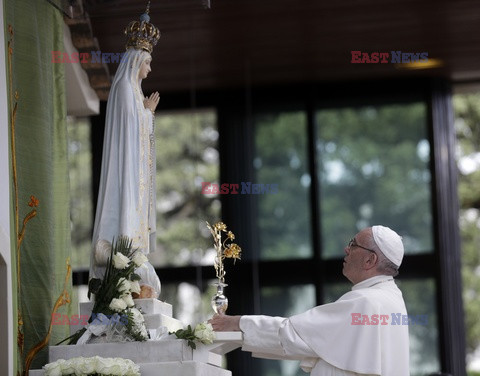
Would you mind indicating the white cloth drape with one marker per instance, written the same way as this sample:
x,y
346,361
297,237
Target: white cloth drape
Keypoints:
x,y
326,342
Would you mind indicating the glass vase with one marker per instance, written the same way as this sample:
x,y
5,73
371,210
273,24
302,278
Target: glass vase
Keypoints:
x,y
219,300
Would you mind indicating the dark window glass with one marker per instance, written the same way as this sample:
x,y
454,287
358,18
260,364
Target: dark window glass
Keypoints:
x,y
187,155
419,295
190,304
284,218
374,169
80,175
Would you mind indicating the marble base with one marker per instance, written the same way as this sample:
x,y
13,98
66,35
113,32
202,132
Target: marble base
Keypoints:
x,y
172,357
159,320
138,352
188,368
153,351
169,356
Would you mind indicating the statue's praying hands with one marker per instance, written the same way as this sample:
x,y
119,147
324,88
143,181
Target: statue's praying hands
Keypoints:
x,y
151,102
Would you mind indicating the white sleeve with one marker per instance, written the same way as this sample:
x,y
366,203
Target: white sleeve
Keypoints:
x,y
274,336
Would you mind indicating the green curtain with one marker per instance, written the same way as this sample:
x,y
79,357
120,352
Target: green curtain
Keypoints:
x,y
42,169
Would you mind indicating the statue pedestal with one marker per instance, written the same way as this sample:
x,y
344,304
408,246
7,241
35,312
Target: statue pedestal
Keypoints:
x,y
171,357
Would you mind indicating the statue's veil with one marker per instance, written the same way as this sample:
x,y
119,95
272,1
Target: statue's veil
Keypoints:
x,y
129,67
126,190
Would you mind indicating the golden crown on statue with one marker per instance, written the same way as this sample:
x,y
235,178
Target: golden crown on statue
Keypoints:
x,y
142,35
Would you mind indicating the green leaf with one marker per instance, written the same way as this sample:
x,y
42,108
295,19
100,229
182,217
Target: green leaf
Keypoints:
x,y
135,277
72,340
93,286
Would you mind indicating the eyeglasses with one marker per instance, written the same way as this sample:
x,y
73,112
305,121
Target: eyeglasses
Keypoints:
x,y
353,243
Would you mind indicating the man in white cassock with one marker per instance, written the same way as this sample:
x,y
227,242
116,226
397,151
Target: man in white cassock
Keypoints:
x,y
355,335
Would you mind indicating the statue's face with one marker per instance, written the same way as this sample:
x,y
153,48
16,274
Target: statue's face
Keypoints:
x,y
144,69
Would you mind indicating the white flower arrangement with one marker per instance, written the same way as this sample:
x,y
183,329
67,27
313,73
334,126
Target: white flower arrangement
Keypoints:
x,y
114,314
120,261
203,333
135,287
92,366
139,259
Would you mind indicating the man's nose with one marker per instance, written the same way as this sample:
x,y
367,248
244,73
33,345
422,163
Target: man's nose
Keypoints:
x,y
346,250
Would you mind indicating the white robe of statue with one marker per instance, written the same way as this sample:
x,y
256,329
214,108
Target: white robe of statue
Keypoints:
x,y
326,342
126,197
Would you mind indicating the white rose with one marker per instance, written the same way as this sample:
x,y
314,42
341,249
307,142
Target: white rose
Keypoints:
x,y
128,300
120,261
86,366
137,316
139,258
131,369
143,332
123,285
135,287
117,305
109,366
69,366
204,333
55,368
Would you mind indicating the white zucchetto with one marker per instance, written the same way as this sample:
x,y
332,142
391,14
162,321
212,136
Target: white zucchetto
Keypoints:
x,y
389,242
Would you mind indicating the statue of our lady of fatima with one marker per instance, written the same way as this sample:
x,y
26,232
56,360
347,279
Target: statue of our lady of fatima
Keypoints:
x,y
126,197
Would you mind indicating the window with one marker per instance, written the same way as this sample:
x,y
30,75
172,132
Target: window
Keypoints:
x,y
374,169
281,161
81,206
80,174
187,155
419,295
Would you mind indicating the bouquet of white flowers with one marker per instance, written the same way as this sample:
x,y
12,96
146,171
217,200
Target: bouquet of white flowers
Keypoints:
x,y
92,366
114,314
203,333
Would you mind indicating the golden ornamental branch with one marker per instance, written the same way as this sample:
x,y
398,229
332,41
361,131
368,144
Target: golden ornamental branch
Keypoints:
x,y
27,218
222,248
13,114
20,237
63,299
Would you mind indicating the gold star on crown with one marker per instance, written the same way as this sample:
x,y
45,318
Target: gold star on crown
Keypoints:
x,y
142,35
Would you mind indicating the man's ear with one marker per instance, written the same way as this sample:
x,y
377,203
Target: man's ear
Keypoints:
x,y
371,261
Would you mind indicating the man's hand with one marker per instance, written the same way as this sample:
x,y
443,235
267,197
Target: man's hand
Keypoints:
x,y
225,323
